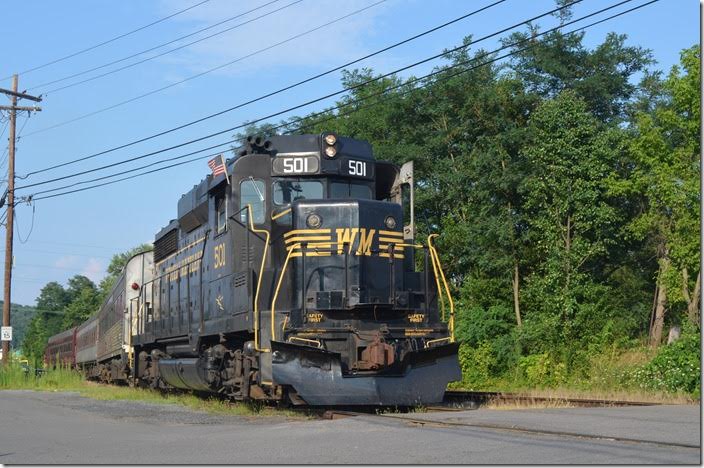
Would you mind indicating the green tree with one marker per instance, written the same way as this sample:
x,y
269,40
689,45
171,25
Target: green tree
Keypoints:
x,y
53,297
570,218
35,339
76,285
601,77
51,304
41,327
85,301
664,180
83,307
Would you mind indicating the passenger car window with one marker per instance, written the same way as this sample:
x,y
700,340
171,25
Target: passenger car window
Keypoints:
x,y
286,191
252,192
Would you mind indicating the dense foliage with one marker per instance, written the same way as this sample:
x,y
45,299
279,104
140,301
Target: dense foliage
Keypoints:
x,y
564,182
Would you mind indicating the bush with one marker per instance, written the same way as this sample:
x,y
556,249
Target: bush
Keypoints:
x,y
476,364
540,370
494,330
676,367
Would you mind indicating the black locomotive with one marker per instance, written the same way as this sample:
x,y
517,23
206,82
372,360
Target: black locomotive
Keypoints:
x,y
293,276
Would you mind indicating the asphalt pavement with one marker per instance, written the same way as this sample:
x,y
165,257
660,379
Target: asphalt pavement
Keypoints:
x,y
64,428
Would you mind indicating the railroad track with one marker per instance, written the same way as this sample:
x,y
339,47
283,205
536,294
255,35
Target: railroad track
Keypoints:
x,y
408,419
472,400
459,400
464,400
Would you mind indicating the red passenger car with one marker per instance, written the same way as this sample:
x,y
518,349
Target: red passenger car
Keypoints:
x,y
61,349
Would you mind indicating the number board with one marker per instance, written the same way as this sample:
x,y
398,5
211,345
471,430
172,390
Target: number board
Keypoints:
x,y
294,165
357,168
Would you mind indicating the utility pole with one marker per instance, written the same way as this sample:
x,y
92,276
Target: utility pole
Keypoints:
x,y
9,228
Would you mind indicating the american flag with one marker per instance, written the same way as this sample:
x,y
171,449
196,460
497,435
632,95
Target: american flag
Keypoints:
x,y
217,165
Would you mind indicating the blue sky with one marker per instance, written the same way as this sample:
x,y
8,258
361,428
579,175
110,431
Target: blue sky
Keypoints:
x,y
78,233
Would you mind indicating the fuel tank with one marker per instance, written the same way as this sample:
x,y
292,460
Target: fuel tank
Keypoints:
x,y
186,373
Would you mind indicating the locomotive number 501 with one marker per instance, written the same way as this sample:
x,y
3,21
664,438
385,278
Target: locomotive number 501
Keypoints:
x,y
219,256
357,168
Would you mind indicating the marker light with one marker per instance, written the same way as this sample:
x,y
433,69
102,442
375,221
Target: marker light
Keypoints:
x,y
135,286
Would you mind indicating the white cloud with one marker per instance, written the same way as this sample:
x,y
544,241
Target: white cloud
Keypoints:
x,y
66,261
329,45
94,269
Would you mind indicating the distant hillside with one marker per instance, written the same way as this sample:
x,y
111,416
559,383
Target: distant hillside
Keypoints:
x,y
20,317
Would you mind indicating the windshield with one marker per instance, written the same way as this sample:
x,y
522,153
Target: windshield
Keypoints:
x,y
287,191
350,190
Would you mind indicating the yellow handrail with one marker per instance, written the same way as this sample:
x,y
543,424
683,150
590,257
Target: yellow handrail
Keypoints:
x,y
259,280
451,323
280,214
278,286
438,340
437,279
437,268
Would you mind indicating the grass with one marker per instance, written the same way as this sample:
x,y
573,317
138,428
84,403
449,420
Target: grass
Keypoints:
x,y
608,375
499,404
560,394
620,395
63,379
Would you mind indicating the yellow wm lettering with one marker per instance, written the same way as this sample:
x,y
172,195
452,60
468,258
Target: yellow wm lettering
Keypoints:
x,y
365,242
345,236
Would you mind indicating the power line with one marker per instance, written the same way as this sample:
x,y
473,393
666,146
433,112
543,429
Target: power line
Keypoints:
x,y
4,127
141,167
343,90
31,228
52,267
106,42
233,141
62,253
210,70
278,91
102,247
443,70
51,91
5,153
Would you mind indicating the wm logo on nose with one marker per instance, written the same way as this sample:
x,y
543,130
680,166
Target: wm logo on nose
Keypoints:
x,y
361,236
351,241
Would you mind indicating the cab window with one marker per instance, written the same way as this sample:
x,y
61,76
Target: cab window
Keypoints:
x,y
221,208
350,190
252,192
287,191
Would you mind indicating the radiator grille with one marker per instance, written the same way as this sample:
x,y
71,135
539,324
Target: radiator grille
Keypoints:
x,y
166,245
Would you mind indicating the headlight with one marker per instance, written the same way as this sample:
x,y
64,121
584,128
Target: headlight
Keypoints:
x,y
314,221
330,151
390,222
330,139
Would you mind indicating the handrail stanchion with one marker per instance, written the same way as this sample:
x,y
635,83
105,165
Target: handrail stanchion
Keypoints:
x,y
278,286
259,281
451,323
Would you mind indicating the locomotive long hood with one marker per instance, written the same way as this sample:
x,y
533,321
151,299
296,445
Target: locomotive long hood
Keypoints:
x,y
316,375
